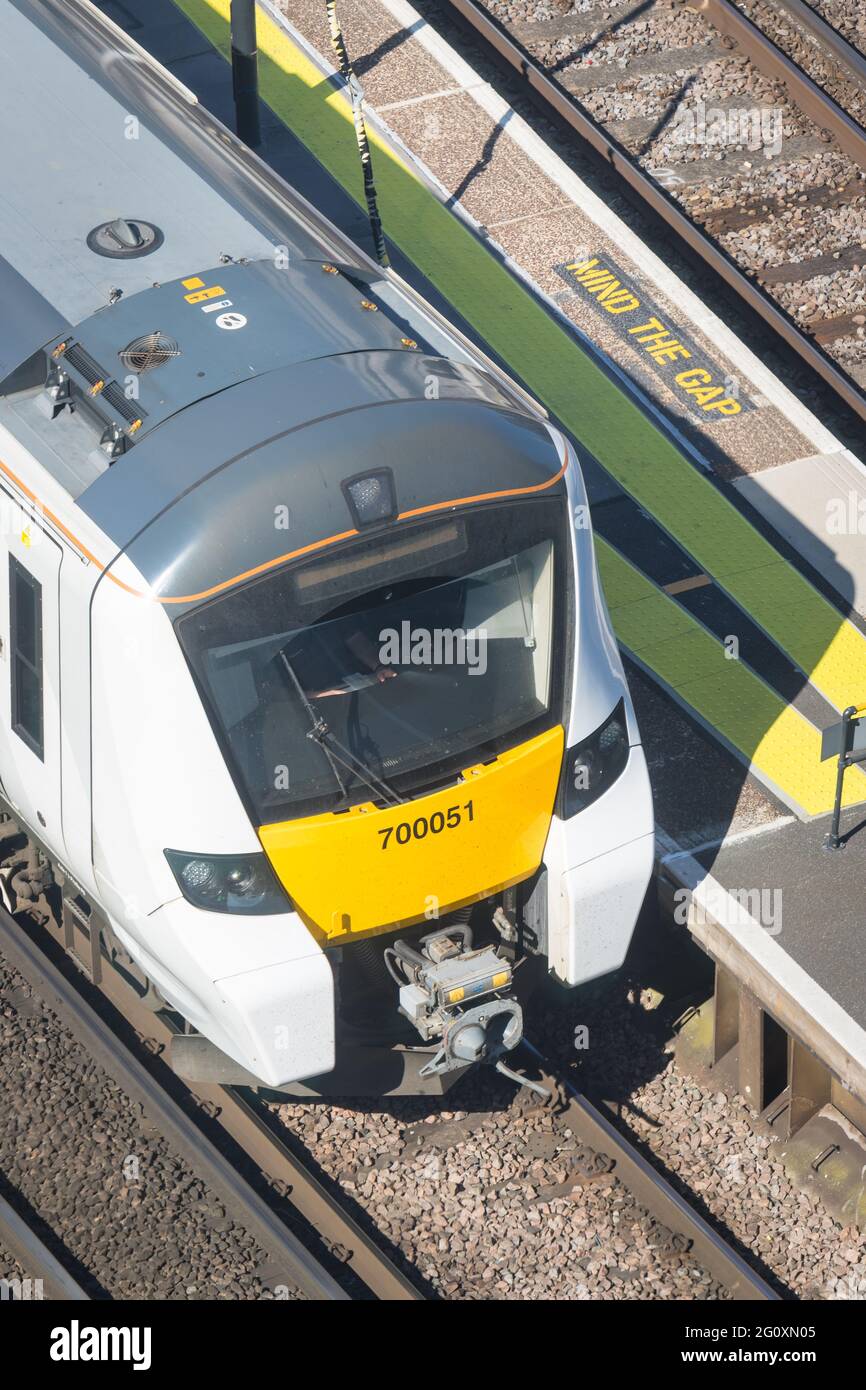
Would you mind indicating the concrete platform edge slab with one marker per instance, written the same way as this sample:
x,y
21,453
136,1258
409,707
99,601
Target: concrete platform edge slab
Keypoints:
x,y
723,928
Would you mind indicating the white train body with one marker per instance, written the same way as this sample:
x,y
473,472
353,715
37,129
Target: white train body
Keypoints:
x,y
118,539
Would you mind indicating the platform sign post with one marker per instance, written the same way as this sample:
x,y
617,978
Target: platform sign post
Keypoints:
x,y
245,71
847,741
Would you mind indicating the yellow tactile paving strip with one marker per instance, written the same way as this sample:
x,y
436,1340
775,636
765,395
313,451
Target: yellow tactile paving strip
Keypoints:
x,y
781,744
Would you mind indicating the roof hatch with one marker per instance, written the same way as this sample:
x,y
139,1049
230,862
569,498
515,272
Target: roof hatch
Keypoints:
x,y
124,238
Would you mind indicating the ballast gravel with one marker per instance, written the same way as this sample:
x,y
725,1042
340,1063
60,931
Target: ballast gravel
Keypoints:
x,y
475,1215
106,1186
846,16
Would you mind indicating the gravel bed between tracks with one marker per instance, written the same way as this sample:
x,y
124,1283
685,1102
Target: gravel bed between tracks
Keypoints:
x,y
847,16
9,1266
786,179
797,235
106,1184
628,98
475,1216
512,11
657,31
826,296
735,91
741,93
822,69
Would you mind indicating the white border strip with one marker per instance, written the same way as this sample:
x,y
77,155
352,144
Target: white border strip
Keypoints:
x,y
516,129
749,833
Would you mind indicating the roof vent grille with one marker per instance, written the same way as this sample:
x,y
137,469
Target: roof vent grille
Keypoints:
x,y
152,350
82,362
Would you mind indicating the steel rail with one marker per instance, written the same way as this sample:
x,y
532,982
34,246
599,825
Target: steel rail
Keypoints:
x,y
231,1108
238,1115
35,1259
770,58
235,1113
550,96
298,1265
652,1189
826,37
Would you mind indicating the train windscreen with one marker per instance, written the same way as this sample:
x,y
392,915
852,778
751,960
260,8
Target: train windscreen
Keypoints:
x,y
385,666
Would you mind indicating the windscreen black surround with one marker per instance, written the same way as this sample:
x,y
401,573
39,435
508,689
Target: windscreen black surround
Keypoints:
x,y
428,647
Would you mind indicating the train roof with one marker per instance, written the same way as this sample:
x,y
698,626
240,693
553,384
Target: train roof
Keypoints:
x,y
208,328
255,503
96,131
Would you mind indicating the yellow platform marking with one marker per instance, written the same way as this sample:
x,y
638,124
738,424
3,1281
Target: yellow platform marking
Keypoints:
x,y
781,746
433,854
596,411
195,282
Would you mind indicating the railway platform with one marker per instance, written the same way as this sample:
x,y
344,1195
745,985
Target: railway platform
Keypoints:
x,y
727,515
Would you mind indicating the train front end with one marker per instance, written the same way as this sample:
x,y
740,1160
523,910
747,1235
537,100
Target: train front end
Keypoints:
x,y
425,716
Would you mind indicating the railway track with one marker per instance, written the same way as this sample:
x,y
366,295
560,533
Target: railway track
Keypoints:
x,y
42,1274
714,124
847,17
333,1241
682,1227
593,1150
678,1229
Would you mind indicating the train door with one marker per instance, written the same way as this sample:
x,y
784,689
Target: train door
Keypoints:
x,y
30,676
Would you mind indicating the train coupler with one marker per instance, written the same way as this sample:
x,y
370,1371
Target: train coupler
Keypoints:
x,y
458,996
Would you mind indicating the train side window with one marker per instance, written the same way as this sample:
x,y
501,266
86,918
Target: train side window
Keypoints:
x,y
25,634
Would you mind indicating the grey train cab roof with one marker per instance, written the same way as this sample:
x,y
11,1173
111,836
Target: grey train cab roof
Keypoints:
x,y
236,352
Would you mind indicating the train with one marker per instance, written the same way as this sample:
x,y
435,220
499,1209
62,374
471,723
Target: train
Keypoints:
x,y
312,711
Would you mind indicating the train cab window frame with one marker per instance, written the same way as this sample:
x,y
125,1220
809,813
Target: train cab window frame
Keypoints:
x,y
26,657
420,561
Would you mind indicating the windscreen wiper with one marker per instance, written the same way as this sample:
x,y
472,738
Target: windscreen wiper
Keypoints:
x,y
336,753
321,734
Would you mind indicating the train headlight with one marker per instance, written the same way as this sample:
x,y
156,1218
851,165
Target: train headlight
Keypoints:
x,y
592,766
243,883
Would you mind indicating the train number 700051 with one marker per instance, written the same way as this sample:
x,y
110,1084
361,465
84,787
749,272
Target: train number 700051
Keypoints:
x,y
423,826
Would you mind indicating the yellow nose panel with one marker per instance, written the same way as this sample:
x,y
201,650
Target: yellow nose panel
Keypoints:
x,y
368,870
